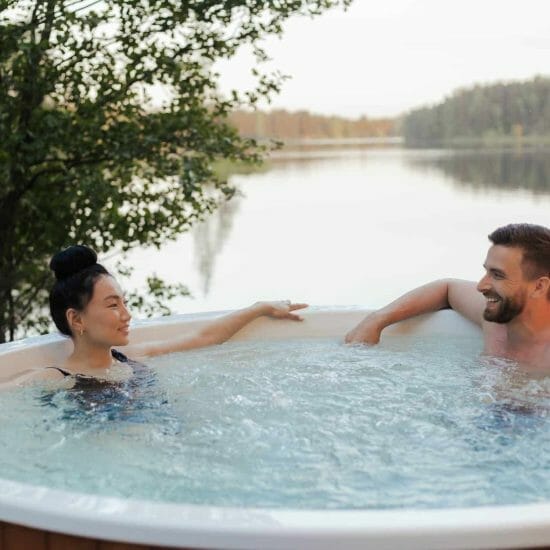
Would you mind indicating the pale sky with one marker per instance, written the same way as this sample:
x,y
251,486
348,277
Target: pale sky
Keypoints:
x,y
381,58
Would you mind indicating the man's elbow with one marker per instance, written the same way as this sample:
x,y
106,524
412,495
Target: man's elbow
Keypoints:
x,y
444,287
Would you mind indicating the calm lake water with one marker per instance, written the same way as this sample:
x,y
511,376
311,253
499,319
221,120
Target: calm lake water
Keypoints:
x,y
355,225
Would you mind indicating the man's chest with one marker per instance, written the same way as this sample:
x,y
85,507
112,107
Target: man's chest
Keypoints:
x,y
497,344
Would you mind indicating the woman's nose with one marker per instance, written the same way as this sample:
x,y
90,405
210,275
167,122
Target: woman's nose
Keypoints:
x,y
126,313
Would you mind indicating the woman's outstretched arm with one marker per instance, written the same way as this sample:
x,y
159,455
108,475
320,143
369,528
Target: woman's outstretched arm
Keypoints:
x,y
219,330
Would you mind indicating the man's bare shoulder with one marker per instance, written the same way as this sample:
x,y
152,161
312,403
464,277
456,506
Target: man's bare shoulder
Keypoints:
x,y
465,299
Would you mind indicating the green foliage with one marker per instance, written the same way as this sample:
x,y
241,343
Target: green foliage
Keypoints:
x,y
517,111
88,151
225,168
158,293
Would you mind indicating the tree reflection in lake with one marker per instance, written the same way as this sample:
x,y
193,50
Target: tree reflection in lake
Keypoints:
x,y
506,169
296,171
209,238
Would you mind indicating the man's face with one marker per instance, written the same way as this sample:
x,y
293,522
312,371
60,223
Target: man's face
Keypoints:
x,y
503,285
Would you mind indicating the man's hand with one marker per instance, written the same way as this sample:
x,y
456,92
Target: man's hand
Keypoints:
x,y
366,332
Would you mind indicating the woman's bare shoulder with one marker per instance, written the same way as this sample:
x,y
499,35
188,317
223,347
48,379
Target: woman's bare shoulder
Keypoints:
x,y
47,373
32,376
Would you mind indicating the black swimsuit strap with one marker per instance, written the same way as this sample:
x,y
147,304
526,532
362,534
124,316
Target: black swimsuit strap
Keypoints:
x,y
119,356
63,372
115,353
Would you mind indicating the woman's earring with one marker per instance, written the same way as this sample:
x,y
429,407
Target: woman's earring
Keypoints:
x,y
81,331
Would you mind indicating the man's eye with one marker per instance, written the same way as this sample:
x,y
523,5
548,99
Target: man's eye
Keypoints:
x,y
112,305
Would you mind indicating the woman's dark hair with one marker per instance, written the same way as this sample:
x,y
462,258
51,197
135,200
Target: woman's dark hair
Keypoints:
x,y
76,271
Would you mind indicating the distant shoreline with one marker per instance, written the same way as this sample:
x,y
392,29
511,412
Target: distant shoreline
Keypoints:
x,y
393,140
454,143
484,142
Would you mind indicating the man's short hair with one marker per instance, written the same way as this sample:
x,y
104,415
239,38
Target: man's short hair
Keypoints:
x,y
533,240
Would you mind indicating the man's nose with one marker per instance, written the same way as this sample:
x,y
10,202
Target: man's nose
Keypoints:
x,y
483,284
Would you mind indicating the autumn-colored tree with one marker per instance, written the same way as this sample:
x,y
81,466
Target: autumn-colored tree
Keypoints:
x,y
284,125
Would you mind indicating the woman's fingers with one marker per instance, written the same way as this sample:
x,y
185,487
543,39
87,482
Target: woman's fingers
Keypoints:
x,y
283,309
294,307
294,317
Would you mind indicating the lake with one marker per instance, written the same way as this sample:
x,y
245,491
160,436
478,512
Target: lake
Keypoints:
x,y
355,225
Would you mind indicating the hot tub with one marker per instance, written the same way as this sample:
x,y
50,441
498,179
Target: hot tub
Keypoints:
x,y
37,516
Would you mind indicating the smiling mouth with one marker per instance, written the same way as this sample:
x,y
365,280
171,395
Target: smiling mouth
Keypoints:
x,y
492,299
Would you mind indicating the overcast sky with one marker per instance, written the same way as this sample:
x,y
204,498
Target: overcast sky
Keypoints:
x,y
381,58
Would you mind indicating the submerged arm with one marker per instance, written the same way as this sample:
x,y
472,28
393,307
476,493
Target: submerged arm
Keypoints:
x,y
462,296
219,330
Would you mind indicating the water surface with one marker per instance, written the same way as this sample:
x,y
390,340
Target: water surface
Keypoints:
x,y
416,423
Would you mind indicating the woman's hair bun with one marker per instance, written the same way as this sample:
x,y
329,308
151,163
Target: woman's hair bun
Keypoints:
x,y
72,260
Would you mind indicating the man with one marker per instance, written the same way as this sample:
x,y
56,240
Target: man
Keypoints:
x,y
511,303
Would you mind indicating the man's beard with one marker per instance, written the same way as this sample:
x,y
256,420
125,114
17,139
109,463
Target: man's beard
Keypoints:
x,y
506,309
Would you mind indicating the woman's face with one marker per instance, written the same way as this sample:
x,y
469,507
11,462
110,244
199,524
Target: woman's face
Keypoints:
x,y
105,319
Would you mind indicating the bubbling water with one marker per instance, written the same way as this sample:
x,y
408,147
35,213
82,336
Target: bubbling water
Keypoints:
x,y
416,423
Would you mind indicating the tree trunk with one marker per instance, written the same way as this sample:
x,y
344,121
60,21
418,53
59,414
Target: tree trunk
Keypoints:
x,y
7,313
3,326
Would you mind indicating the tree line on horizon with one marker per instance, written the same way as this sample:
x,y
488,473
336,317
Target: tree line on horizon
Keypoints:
x,y
484,113
285,125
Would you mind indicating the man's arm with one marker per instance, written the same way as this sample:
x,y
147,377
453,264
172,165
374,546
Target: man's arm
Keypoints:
x,y
462,296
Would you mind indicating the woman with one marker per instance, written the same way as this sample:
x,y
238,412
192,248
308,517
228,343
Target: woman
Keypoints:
x,y
87,304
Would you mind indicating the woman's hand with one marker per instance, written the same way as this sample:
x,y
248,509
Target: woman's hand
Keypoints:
x,y
280,310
